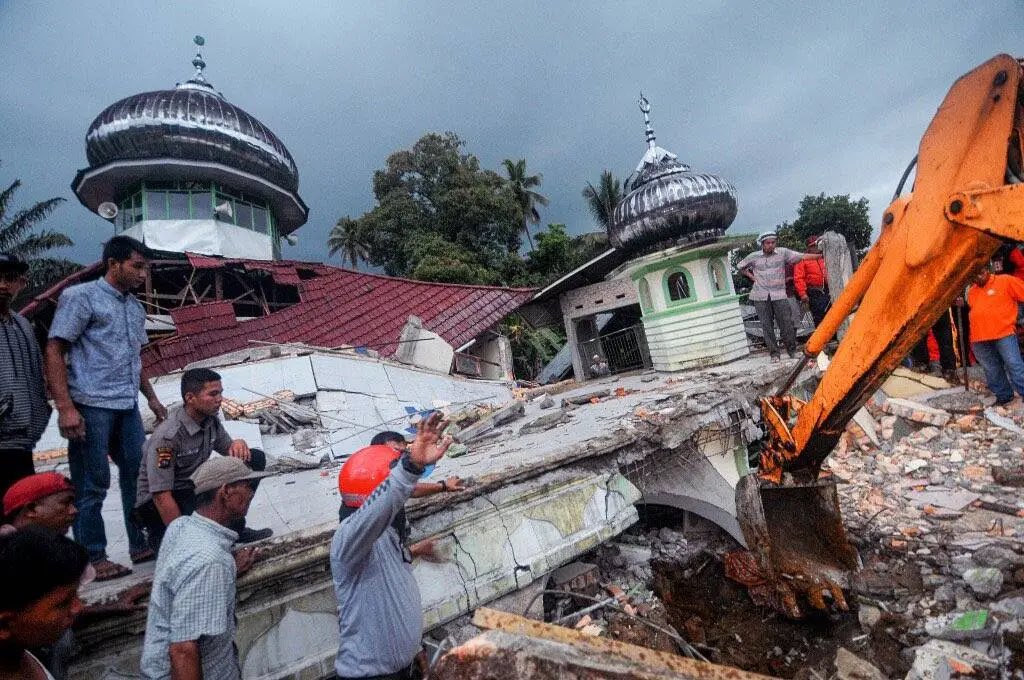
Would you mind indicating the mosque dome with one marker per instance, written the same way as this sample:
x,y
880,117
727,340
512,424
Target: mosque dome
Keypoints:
x,y
188,133
668,203
190,122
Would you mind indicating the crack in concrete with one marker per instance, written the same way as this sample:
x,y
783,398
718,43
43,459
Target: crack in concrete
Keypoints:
x,y
508,537
462,576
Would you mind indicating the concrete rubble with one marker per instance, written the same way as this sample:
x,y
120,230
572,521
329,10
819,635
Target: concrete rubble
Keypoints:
x,y
539,497
930,478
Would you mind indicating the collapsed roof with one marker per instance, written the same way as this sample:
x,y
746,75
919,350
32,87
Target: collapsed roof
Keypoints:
x,y
221,305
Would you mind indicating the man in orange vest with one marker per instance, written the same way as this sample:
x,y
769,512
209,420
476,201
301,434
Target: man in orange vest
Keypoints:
x,y
811,282
993,300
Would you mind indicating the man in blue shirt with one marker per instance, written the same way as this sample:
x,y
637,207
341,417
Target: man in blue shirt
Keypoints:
x,y
95,373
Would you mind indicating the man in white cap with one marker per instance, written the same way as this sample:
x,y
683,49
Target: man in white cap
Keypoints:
x,y
190,630
767,269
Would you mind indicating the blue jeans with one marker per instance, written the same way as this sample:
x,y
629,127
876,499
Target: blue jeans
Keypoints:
x,y
1001,358
118,434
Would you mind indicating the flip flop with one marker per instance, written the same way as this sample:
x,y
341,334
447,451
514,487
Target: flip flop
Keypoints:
x,y
107,570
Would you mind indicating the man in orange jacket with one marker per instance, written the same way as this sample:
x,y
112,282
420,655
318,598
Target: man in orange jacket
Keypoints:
x,y
993,300
811,282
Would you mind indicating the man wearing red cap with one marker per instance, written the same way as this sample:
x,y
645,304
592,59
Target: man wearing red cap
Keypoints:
x,y
811,282
44,500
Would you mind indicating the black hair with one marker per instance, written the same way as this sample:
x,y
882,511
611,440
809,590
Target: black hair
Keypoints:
x,y
33,562
120,248
194,379
387,436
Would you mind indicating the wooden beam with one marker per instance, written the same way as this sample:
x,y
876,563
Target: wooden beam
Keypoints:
x,y
491,619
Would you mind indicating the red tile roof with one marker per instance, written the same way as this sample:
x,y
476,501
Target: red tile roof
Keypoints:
x,y
337,307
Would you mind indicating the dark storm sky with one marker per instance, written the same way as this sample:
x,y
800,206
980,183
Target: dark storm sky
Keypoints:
x,y
783,99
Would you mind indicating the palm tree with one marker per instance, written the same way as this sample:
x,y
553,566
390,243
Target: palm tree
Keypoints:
x,y
522,186
603,199
17,236
347,238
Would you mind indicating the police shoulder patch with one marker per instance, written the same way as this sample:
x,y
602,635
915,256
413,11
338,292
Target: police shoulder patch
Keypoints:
x,y
164,457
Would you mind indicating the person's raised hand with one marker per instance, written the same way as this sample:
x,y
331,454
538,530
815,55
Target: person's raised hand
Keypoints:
x,y
430,443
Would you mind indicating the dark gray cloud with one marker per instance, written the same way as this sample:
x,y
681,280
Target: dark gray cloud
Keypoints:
x,y
783,99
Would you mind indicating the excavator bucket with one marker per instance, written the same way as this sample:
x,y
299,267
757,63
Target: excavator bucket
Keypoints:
x,y
796,537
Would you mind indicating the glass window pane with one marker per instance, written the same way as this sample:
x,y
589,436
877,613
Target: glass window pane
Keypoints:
x,y
243,215
178,205
259,220
202,208
156,205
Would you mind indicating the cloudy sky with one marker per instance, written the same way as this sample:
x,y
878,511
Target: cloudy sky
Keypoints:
x,y
782,99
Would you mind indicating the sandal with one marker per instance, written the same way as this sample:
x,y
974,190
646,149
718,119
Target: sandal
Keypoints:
x,y
107,570
144,555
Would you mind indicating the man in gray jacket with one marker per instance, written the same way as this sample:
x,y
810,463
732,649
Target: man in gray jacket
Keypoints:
x,y
380,617
24,411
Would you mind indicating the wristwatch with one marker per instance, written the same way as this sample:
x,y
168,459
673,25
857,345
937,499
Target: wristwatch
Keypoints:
x,y
444,485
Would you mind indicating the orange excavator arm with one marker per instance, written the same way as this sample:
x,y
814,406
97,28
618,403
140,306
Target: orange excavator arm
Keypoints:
x,y
966,196
931,243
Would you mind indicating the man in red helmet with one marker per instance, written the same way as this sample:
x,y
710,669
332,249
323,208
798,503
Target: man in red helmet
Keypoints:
x,y
380,618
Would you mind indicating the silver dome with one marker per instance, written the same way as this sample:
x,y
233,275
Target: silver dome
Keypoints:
x,y
668,203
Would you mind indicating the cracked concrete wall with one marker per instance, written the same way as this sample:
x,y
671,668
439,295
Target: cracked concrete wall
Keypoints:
x,y
494,544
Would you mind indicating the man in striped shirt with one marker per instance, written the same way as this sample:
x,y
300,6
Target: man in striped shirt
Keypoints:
x,y
24,411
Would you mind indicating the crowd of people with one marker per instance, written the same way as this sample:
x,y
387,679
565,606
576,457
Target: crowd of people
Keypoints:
x,y
186,508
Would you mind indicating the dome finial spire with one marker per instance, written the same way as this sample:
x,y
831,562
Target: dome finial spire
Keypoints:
x,y
645,107
198,61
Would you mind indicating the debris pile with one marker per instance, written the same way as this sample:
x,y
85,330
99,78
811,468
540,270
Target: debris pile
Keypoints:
x,y
932,499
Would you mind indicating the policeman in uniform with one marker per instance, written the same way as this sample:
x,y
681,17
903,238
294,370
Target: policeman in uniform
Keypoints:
x,y
177,447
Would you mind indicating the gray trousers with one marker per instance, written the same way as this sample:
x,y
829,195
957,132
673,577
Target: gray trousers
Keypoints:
x,y
770,312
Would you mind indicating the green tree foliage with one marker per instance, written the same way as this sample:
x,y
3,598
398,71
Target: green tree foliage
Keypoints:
x,y
821,213
603,198
522,187
532,348
347,238
18,236
556,254
439,215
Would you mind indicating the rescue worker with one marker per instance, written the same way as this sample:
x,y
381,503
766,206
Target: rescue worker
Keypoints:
x,y
380,616
993,301
810,279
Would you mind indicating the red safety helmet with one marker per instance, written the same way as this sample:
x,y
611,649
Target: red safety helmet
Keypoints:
x,y
363,472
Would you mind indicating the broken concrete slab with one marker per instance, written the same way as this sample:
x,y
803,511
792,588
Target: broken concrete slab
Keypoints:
x,y
905,383
849,666
952,499
422,347
941,660
912,410
545,422
1002,421
506,414
585,398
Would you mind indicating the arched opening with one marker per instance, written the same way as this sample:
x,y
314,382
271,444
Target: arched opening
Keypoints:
x,y
680,286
